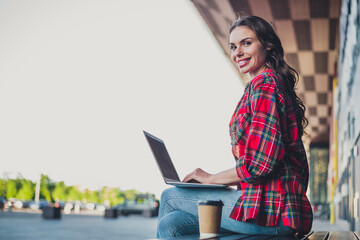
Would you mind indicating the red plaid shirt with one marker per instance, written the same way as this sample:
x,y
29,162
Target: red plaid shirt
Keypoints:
x,y
270,157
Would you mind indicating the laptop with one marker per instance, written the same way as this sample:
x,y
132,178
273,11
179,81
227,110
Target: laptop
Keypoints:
x,y
166,166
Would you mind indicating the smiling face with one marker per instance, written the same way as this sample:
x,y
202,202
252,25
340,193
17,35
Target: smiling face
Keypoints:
x,y
247,51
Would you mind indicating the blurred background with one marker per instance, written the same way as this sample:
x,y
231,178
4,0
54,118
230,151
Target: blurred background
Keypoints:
x,y
80,81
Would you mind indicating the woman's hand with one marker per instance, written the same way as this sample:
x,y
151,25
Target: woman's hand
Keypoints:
x,y
227,177
198,175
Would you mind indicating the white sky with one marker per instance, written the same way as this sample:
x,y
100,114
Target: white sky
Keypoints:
x,y
80,80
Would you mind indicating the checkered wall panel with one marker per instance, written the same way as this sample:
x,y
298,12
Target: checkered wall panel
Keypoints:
x,y
309,34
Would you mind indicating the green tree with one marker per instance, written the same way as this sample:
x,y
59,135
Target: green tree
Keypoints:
x,y
90,196
11,189
96,196
60,191
46,187
27,190
113,195
24,189
3,187
74,194
131,194
121,198
102,195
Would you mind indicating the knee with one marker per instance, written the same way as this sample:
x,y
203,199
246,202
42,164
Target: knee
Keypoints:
x,y
169,193
166,227
177,223
165,194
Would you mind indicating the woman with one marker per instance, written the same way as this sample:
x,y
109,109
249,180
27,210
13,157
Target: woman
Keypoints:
x,y
271,169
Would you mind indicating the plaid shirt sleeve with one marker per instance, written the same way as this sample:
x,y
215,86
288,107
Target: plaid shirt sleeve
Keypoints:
x,y
264,146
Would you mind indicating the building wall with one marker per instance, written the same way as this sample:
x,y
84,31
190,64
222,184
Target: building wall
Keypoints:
x,y
347,114
319,160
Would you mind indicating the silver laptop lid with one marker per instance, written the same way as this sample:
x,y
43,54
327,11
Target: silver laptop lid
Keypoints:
x,y
162,157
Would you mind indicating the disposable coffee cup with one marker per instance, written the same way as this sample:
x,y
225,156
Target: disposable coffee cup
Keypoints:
x,y
209,218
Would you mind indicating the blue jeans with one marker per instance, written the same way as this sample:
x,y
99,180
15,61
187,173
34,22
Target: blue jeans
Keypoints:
x,y
178,213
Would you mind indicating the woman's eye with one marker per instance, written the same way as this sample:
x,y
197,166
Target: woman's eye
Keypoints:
x,y
247,43
232,47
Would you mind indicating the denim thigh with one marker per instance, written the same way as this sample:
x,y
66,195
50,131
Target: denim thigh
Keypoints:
x,y
185,200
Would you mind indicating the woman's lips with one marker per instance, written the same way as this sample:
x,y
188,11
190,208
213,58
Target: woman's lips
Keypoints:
x,y
243,62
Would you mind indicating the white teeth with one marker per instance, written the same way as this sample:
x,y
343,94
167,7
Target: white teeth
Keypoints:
x,y
242,62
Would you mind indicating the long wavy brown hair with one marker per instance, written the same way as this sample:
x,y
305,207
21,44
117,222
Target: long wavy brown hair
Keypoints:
x,y
275,61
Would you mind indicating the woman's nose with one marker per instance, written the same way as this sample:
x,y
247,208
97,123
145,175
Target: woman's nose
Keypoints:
x,y
239,52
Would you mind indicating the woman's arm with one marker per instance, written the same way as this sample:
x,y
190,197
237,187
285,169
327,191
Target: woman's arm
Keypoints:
x,y
227,177
264,148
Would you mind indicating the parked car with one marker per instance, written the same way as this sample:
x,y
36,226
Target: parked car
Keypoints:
x,y
146,205
10,202
39,205
26,204
21,204
59,204
18,204
100,207
90,206
2,203
68,206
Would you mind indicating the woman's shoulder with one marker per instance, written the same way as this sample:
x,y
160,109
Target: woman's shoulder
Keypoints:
x,y
264,78
267,82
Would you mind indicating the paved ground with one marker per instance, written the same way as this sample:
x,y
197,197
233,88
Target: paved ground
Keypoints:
x,y
31,226
324,225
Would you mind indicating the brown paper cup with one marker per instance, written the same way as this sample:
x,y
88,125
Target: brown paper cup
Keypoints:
x,y
209,218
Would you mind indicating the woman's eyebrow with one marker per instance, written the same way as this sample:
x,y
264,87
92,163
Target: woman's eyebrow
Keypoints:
x,y
247,38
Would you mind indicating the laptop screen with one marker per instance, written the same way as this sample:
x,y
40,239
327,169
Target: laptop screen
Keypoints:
x,y
162,157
